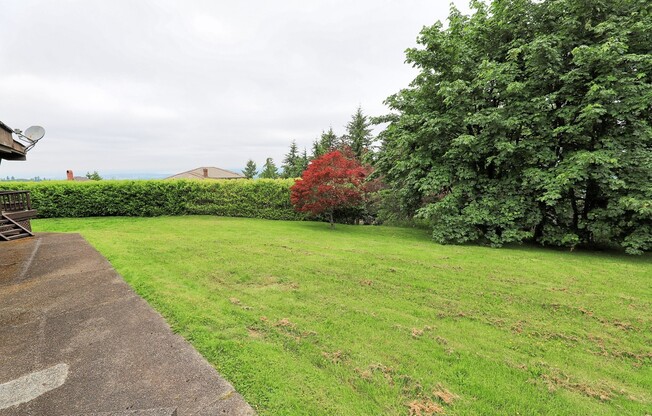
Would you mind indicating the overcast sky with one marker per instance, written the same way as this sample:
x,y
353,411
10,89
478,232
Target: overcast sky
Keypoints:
x,y
166,86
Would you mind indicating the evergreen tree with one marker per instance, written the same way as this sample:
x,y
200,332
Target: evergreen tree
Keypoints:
x,y
328,141
270,171
316,150
304,160
292,162
358,134
250,171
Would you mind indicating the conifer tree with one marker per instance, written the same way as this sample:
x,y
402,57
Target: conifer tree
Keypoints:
x,y
270,171
358,134
250,171
292,162
304,161
328,141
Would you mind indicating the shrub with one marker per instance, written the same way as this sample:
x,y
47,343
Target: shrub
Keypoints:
x,y
269,199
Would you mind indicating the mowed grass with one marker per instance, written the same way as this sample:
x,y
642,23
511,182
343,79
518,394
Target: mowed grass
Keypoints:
x,y
381,321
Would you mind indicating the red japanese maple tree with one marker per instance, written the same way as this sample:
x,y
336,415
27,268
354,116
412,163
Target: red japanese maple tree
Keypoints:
x,y
332,181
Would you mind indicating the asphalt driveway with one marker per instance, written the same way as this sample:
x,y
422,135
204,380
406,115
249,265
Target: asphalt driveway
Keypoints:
x,y
76,340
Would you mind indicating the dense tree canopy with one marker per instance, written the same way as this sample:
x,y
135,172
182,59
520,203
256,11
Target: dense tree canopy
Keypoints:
x,y
529,120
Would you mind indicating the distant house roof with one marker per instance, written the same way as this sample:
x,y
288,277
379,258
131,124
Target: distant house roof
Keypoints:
x,y
209,172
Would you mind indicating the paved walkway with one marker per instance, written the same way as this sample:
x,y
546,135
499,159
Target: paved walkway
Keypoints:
x,y
76,340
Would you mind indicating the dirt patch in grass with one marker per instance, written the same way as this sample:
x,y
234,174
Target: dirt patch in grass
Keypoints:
x,y
424,408
444,395
624,325
556,380
441,340
368,374
638,358
434,405
285,323
255,333
517,328
335,357
418,332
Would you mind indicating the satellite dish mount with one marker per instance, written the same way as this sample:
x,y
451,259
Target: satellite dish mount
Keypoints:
x,y
30,137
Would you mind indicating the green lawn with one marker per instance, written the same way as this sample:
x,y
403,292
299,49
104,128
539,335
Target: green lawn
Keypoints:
x,y
380,320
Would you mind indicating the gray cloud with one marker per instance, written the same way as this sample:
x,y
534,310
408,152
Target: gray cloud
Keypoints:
x,y
165,86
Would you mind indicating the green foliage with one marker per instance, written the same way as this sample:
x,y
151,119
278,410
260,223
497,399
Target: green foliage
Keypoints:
x,y
529,120
250,171
328,141
358,134
293,163
304,160
268,199
93,176
270,171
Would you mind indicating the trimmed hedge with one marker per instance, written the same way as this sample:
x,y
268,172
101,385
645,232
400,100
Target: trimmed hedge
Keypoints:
x,y
262,198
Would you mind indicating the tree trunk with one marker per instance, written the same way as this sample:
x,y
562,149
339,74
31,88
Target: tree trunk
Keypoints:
x,y
576,214
330,219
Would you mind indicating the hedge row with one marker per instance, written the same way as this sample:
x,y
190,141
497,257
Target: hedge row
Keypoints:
x,y
260,198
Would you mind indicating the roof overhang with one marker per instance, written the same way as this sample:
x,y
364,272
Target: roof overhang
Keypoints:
x,y
10,149
13,153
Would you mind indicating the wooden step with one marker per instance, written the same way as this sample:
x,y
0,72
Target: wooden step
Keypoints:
x,y
17,236
11,230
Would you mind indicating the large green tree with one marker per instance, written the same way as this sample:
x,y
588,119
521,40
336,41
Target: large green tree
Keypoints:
x,y
529,120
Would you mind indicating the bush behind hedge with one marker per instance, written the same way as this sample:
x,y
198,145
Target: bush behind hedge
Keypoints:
x,y
262,198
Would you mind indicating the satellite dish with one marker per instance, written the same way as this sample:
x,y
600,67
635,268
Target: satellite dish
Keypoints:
x,y
34,133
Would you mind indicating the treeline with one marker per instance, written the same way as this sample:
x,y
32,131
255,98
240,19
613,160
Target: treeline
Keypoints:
x,y
357,138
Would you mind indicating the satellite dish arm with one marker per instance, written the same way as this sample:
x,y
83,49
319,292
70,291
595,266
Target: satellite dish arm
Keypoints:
x,y
31,136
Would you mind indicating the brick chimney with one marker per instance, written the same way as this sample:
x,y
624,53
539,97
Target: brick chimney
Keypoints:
x,y
205,172
69,175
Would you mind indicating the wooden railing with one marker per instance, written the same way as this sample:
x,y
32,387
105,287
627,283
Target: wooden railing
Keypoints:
x,y
13,201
